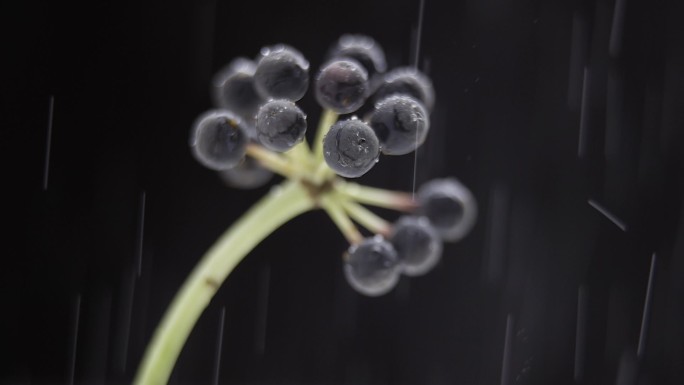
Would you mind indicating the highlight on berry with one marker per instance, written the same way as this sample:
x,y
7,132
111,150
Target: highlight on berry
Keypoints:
x,y
257,130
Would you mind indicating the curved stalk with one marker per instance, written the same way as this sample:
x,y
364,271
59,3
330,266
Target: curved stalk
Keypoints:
x,y
279,206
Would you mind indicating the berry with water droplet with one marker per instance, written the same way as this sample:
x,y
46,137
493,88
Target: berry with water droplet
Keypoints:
x,y
401,124
280,125
351,148
281,73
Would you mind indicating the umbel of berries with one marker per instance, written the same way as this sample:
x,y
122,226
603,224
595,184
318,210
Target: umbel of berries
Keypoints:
x,y
256,130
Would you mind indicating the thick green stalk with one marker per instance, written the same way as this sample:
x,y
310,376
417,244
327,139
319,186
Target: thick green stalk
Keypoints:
x,y
279,206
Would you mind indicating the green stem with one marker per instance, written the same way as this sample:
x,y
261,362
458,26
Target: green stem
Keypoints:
x,y
276,208
321,173
301,153
274,162
336,212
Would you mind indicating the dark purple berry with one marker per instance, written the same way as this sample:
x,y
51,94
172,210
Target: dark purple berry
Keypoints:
x,y
281,73
449,206
372,267
218,139
280,125
401,124
351,148
417,243
342,86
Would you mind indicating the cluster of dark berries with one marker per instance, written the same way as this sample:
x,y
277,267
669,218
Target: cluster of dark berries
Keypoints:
x,y
257,115
446,211
256,99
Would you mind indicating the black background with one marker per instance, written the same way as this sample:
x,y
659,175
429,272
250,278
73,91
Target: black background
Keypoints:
x,y
127,80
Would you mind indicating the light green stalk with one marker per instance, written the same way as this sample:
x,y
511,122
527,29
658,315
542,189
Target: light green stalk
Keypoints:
x,y
279,206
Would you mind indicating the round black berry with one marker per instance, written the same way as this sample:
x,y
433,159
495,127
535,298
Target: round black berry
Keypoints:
x,y
372,267
218,139
280,125
281,73
417,243
351,148
401,124
449,206
342,86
